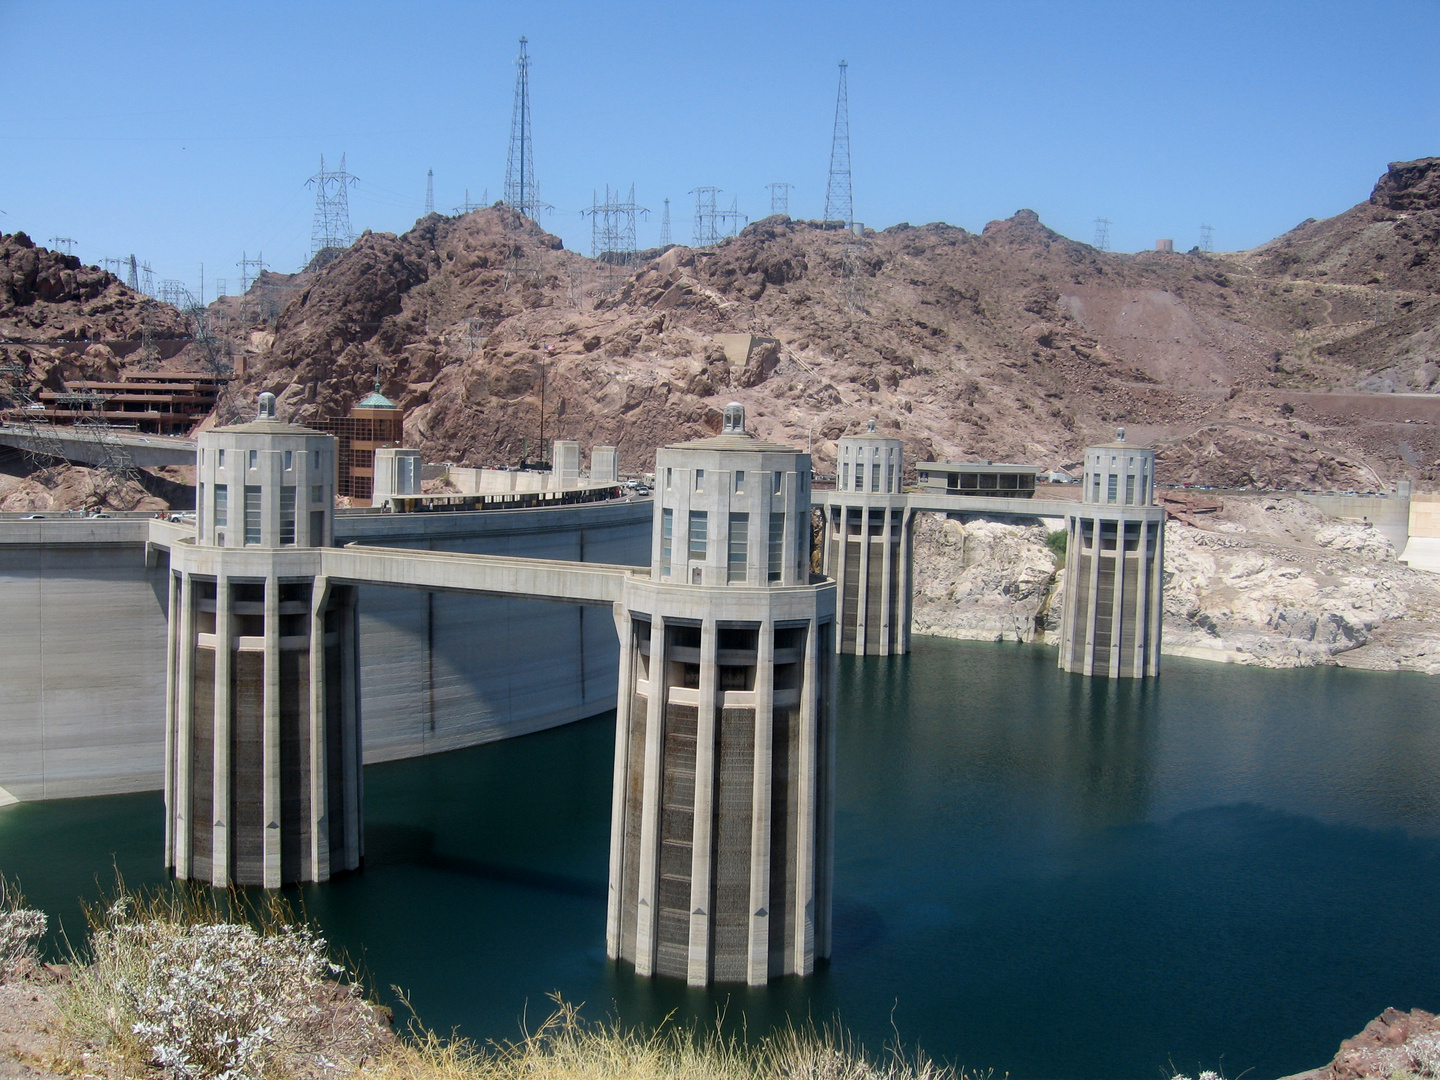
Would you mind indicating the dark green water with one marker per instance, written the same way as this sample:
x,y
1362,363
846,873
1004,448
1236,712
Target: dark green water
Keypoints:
x,y
1053,877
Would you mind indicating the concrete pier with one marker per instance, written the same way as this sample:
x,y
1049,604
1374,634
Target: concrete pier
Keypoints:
x,y
263,749
1115,567
721,854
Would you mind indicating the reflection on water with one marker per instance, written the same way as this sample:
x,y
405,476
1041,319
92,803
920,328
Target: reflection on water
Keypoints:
x,y
1048,875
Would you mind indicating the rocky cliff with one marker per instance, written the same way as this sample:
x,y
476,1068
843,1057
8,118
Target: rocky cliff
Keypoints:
x,y
1269,582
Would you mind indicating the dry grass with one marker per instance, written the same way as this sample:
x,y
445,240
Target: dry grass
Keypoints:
x,y
188,983
566,1047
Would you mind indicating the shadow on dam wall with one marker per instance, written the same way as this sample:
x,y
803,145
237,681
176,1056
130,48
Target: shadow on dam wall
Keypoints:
x,y
82,671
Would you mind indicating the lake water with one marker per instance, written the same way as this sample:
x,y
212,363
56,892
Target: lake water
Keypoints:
x,y
1038,873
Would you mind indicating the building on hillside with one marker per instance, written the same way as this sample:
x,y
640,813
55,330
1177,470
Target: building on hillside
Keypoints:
x,y
146,402
375,422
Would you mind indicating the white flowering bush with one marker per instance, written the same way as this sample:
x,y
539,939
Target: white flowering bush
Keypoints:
x,y
203,998
20,929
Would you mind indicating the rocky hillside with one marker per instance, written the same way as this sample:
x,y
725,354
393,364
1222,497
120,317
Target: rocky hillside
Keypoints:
x,y
1268,582
1257,368
60,319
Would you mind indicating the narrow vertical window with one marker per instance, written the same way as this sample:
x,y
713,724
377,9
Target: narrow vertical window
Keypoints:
x,y
739,481
739,548
219,459
699,479
254,458
315,460
667,533
875,477
289,459
222,506
1130,490
699,523
252,514
1112,488
669,478
777,482
845,477
287,515
777,546
890,480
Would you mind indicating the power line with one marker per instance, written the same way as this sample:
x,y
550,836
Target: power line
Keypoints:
x,y
780,198
331,226
839,205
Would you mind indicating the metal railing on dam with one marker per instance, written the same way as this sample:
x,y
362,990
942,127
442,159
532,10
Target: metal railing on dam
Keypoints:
x,y
83,611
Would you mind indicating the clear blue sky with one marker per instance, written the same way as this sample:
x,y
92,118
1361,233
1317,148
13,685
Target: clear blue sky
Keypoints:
x,y
184,132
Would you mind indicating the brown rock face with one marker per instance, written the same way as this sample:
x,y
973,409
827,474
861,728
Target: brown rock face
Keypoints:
x,y
1409,185
1393,1043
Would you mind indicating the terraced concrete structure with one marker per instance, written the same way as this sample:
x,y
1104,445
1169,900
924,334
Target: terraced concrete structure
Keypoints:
x,y
721,845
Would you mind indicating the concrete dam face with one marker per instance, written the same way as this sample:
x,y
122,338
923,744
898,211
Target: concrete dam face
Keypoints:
x,y
82,679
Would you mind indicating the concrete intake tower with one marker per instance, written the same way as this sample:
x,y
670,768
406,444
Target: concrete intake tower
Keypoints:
x,y
721,848
262,778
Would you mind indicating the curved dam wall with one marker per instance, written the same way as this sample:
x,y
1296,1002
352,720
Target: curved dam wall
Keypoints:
x,y
82,644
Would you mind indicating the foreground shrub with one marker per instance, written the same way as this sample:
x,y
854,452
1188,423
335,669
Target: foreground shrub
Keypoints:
x,y
20,930
170,983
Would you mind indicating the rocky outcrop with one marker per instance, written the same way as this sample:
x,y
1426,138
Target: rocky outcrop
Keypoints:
x,y
1394,1044
983,579
1269,583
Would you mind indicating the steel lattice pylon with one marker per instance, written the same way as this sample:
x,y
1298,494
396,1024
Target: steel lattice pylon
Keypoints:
x,y
331,227
521,192
838,203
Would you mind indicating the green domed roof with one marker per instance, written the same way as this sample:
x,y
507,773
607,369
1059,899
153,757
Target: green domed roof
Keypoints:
x,y
376,400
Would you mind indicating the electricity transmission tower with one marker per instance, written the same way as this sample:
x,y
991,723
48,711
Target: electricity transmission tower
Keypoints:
x,y
246,265
839,206
780,198
115,266
1207,238
467,206
116,466
331,227
429,192
133,277
665,226
1102,234
713,224
40,444
612,232
67,242
147,280
174,293
521,193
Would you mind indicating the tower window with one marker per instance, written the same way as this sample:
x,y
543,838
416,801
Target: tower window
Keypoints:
x,y
739,547
287,515
1112,488
875,477
845,476
667,533
777,547
699,479
1130,490
252,514
699,522
222,506
739,481
289,459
